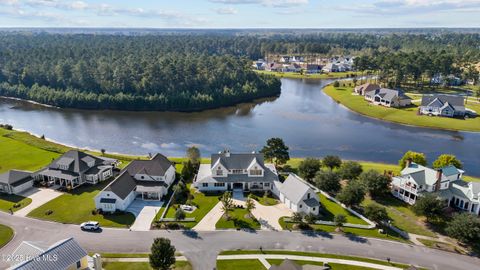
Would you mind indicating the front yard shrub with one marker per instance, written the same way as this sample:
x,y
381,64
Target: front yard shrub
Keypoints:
x,y
48,212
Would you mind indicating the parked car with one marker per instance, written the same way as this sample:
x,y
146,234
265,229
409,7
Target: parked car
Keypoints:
x,y
90,226
185,207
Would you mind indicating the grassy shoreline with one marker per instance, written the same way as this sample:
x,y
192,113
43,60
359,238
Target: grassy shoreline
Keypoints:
x,y
405,116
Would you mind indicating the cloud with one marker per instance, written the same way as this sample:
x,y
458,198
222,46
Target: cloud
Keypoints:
x,y
266,3
226,11
408,7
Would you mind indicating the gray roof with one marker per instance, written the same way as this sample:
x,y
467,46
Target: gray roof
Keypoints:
x,y
311,202
122,185
268,176
457,102
294,188
237,161
60,174
76,161
388,94
157,166
15,177
367,87
67,252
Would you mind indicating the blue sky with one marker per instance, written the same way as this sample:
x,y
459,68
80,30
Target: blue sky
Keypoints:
x,y
240,13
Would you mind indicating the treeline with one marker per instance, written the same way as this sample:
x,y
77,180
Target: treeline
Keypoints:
x,y
128,73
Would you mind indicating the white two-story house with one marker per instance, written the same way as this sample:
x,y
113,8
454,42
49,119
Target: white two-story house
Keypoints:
x,y
142,179
446,182
228,171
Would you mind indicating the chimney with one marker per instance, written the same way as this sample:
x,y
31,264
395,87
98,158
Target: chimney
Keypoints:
x,y
227,153
439,179
408,163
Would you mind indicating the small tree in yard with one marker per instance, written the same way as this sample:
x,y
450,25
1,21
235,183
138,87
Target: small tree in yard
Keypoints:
x,y
465,227
227,203
250,205
340,220
188,170
352,194
308,168
180,214
297,217
193,155
375,183
429,206
162,255
328,181
336,84
331,162
447,160
416,157
350,170
310,218
376,213
276,151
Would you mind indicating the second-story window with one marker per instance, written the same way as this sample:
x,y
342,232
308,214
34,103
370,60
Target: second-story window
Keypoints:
x,y
237,171
255,172
219,171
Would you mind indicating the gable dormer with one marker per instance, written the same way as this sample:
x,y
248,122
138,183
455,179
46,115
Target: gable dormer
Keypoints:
x,y
219,170
255,169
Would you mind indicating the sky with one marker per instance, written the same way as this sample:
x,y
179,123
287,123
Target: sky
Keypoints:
x,y
240,13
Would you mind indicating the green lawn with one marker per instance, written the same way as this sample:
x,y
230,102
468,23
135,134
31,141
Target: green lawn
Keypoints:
x,y
331,209
238,221
367,165
268,201
239,265
76,207
6,234
297,75
204,203
181,265
13,202
313,254
351,232
334,266
404,115
402,216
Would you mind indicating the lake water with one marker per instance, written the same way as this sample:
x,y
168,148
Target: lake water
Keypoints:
x,y
309,121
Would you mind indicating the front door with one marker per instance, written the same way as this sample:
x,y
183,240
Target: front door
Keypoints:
x,y
237,185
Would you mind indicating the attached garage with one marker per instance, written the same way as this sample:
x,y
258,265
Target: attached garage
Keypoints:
x,y
15,182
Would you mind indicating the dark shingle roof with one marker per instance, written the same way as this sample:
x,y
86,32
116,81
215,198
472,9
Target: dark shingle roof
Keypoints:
x,y
156,166
15,177
237,161
457,102
122,185
76,161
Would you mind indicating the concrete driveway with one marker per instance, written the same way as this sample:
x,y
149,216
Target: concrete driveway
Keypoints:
x,y
268,216
210,219
39,197
145,212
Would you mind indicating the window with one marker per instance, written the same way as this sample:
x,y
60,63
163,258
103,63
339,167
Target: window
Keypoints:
x,y
266,184
308,196
79,264
142,177
255,172
219,184
300,206
219,171
237,171
205,185
466,205
313,208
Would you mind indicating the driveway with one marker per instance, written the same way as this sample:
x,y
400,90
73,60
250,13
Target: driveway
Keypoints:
x,y
39,197
268,216
145,212
210,219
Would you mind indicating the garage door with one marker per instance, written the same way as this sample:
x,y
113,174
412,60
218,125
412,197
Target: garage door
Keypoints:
x,y
21,188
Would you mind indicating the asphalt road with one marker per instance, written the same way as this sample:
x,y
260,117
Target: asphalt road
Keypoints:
x,y
202,248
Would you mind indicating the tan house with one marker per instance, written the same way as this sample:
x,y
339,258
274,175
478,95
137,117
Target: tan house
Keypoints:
x,y
366,87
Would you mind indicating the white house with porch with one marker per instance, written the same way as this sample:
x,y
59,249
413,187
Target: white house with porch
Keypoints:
x,y
141,179
75,168
228,171
416,180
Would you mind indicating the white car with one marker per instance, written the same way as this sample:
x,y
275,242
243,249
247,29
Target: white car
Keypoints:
x,y
90,226
186,207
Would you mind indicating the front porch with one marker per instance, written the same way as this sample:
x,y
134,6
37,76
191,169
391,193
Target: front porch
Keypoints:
x,y
53,178
150,193
405,195
249,186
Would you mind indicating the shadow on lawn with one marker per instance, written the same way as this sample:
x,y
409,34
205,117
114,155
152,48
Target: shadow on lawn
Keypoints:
x,y
11,198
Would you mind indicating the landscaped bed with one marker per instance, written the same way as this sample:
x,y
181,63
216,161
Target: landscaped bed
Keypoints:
x,y
268,200
333,266
13,202
239,265
77,206
406,115
239,219
6,234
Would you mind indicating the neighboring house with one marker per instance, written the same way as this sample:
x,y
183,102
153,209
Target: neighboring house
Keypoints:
x,y
75,168
443,105
285,59
292,68
367,87
388,98
313,68
63,255
330,67
227,171
297,195
15,182
274,67
447,183
297,58
145,179
260,64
